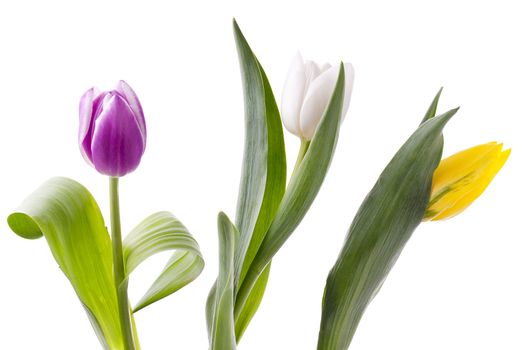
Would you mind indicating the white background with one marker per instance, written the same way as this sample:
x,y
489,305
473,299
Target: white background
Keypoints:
x,y
459,284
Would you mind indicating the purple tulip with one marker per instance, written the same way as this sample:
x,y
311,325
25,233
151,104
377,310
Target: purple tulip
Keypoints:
x,y
112,130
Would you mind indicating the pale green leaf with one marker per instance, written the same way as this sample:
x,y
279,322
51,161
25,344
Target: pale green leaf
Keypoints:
x,y
210,310
221,323
157,233
246,313
67,215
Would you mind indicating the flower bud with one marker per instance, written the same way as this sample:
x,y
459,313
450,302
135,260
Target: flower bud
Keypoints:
x,y
307,92
461,178
112,130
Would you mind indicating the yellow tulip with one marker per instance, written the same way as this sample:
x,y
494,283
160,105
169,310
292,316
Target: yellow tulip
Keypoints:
x,y
462,177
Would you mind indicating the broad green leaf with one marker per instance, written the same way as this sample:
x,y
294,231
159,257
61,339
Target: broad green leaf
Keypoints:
x,y
219,308
66,214
263,177
382,226
301,191
157,233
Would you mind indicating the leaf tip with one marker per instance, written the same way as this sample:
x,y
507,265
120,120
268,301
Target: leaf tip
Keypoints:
x,y
236,28
24,225
223,219
342,68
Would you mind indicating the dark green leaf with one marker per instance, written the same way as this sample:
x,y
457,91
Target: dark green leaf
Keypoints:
x,y
263,177
301,191
382,226
432,109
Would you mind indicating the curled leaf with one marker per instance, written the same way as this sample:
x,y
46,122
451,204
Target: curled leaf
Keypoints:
x,y
157,233
67,215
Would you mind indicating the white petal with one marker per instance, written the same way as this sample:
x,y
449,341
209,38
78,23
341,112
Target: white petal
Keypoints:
x,y
316,100
318,96
325,67
293,93
312,71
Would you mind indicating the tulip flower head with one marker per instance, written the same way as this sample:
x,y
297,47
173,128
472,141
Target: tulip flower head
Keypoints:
x,y
112,130
307,92
462,178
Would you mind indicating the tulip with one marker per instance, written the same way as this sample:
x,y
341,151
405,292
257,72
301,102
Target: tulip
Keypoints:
x,y
307,92
112,130
462,178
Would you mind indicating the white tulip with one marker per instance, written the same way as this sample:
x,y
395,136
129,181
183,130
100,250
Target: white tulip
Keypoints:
x,y
306,94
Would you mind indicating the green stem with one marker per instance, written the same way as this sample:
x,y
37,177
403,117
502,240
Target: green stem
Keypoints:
x,y
302,152
119,275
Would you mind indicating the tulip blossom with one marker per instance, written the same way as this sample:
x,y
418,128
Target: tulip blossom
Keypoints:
x,y
462,178
112,130
307,92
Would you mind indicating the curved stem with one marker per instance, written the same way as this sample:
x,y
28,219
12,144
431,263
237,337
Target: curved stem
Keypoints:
x,y
119,275
300,156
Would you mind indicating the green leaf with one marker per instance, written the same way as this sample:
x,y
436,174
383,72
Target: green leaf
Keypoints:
x,y
219,307
67,215
382,226
263,178
210,310
157,233
432,109
301,191
249,309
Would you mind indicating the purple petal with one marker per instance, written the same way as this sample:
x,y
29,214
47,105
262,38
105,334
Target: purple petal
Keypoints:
x,y
86,121
131,97
117,143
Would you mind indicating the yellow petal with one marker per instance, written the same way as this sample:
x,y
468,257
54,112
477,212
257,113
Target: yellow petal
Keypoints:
x,y
454,175
462,178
